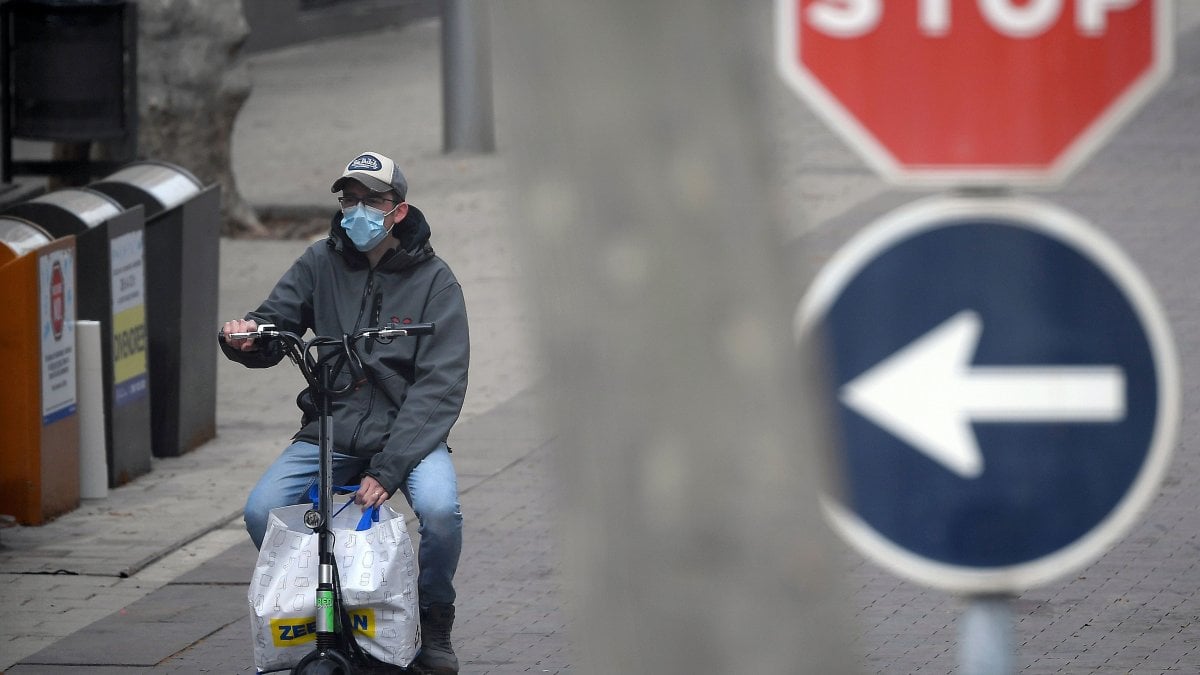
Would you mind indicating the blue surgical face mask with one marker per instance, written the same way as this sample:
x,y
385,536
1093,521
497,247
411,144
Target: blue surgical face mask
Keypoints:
x,y
364,225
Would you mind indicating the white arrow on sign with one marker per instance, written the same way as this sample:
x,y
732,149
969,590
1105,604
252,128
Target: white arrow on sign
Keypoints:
x,y
927,394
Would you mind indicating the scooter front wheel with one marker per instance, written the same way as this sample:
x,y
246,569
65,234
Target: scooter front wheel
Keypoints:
x,y
323,663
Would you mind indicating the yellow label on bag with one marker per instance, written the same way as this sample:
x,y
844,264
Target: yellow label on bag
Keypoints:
x,y
302,629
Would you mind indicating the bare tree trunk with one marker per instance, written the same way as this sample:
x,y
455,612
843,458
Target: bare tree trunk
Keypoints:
x,y
192,83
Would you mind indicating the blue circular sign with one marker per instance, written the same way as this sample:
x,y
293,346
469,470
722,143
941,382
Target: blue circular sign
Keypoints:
x,y
1007,391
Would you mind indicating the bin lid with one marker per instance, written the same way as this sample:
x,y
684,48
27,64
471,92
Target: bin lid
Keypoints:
x,y
19,236
87,206
68,4
165,183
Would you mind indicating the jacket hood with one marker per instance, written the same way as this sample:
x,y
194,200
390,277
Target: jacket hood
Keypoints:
x,y
413,232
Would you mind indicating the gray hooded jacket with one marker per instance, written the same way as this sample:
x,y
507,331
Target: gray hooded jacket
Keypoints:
x,y
414,387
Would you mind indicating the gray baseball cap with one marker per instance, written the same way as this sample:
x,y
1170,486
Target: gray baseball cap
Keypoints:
x,y
376,172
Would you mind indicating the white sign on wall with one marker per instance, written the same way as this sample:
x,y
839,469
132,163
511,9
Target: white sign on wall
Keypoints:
x,y
130,382
56,292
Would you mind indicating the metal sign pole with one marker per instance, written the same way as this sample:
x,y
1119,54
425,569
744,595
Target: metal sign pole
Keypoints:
x,y
467,77
986,636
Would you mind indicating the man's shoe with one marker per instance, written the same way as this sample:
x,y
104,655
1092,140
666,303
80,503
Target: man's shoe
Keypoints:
x,y
437,654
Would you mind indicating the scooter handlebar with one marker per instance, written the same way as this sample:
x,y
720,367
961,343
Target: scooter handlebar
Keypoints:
x,y
265,330
381,332
394,330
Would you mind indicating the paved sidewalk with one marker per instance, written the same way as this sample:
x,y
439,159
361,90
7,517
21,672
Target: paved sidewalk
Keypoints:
x,y
510,620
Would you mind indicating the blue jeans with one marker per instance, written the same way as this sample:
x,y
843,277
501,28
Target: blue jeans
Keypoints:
x,y
431,490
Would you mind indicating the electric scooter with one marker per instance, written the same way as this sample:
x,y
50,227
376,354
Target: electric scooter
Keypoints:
x,y
321,359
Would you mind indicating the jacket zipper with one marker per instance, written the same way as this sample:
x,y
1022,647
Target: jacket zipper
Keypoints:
x,y
362,305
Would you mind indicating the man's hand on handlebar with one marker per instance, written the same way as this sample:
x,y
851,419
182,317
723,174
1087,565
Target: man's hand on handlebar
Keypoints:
x,y
239,326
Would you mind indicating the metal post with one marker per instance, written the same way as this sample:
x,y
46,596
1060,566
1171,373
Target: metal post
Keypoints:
x,y
986,638
467,77
691,449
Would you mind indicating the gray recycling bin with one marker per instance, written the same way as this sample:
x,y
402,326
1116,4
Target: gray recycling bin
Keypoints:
x,y
182,263
111,289
18,237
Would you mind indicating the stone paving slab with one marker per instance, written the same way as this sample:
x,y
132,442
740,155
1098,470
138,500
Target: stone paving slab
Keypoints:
x,y
188,497
231,567
150,630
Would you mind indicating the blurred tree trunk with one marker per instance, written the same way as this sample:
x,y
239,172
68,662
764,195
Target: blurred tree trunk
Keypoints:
x,y
191,84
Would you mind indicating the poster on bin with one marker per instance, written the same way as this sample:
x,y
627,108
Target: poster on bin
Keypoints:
x,y
130,382
56,291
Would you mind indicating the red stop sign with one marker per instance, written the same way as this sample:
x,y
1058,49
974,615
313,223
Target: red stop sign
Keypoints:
x,y
974,91
58,303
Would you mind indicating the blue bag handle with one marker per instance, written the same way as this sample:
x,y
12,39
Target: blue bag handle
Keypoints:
x,y
369,516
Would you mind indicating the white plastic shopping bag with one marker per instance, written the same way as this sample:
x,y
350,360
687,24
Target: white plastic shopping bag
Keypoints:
x,y
377,570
